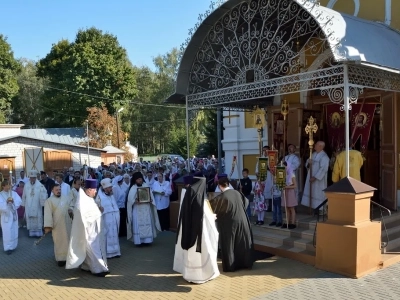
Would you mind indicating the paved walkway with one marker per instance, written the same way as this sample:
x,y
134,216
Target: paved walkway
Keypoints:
x,y
146,273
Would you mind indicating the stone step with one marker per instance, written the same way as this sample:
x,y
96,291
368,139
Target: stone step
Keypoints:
x,y
301,233
392,245
308,223
290,252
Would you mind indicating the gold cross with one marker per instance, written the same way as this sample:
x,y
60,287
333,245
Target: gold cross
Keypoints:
x,y
231,116
310,129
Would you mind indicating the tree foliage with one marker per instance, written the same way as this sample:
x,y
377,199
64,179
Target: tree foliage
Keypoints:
x,y
95,65
26,106
210,146
9,69
154,127
102,128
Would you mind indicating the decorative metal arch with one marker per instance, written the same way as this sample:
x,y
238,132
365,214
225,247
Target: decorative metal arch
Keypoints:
x,y
254,51
255,41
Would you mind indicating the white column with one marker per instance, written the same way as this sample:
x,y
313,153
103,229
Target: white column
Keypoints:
x,y
187,134
346,100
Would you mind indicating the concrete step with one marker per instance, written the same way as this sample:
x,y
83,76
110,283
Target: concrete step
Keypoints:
x,y
301,244
392,245
301,233
290,252
307,223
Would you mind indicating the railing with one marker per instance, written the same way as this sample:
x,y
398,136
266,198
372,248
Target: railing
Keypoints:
x,y
381,207
316,212
383,244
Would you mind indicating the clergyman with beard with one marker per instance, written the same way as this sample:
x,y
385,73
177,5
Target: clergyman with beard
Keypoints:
x,y
58,222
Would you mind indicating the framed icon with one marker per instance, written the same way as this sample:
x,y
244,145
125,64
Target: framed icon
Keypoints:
x,y
143,194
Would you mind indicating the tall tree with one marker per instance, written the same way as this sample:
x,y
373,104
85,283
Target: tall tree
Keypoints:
x,y
26,106
9,69
86,73
102,128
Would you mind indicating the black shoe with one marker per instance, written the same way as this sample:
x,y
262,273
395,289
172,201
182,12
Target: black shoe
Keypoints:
x,y
292,226
257,223
272,224
61,263
279,225
9,252
261,223
284,225
102,274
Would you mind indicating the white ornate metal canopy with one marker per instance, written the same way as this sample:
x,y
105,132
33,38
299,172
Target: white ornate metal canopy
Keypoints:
x,y
244,52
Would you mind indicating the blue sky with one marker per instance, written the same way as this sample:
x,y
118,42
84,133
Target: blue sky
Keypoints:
x,y
145,28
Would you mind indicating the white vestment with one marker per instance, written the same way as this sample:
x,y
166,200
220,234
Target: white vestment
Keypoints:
x,y
87,243
33,198
320,166
9,220
110,223
194,266
56,216
142,223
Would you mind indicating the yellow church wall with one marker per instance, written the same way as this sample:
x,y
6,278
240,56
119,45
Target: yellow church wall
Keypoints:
x,y
248,120
395,14
373,10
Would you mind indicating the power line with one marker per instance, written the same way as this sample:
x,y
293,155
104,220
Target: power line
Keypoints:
x,y
108,99
81,117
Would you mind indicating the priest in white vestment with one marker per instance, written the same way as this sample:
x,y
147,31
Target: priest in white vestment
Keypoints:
x,y
87,244
119,191
142,223
318,178
111,218
33,198
58,222
9,203
197,236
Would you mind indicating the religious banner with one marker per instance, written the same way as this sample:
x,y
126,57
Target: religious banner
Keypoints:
x,y
335,126
278,132
234,161
361,123
262,168
272,160
280,178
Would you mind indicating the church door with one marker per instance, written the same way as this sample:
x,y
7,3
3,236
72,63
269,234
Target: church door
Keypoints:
x,y
388,152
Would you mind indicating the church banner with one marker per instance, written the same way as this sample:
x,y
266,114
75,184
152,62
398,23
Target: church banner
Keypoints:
x,y
362,116
335,125
262,168
272,160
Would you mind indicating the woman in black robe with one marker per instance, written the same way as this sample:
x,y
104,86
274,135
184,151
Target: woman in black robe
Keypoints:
x,y
235,235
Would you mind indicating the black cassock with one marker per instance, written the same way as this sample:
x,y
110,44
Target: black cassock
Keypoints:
x,y
235,235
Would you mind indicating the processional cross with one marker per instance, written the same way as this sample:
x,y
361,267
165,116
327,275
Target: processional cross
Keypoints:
x,y
310,129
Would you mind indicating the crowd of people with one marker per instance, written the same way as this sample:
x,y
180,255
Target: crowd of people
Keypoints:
x,y
87,211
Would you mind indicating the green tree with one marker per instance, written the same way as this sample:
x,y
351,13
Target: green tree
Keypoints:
x,y
26,106
210,146
9,69
94,64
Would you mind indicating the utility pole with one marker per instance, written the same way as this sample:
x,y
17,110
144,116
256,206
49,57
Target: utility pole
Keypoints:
x,y
119,110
